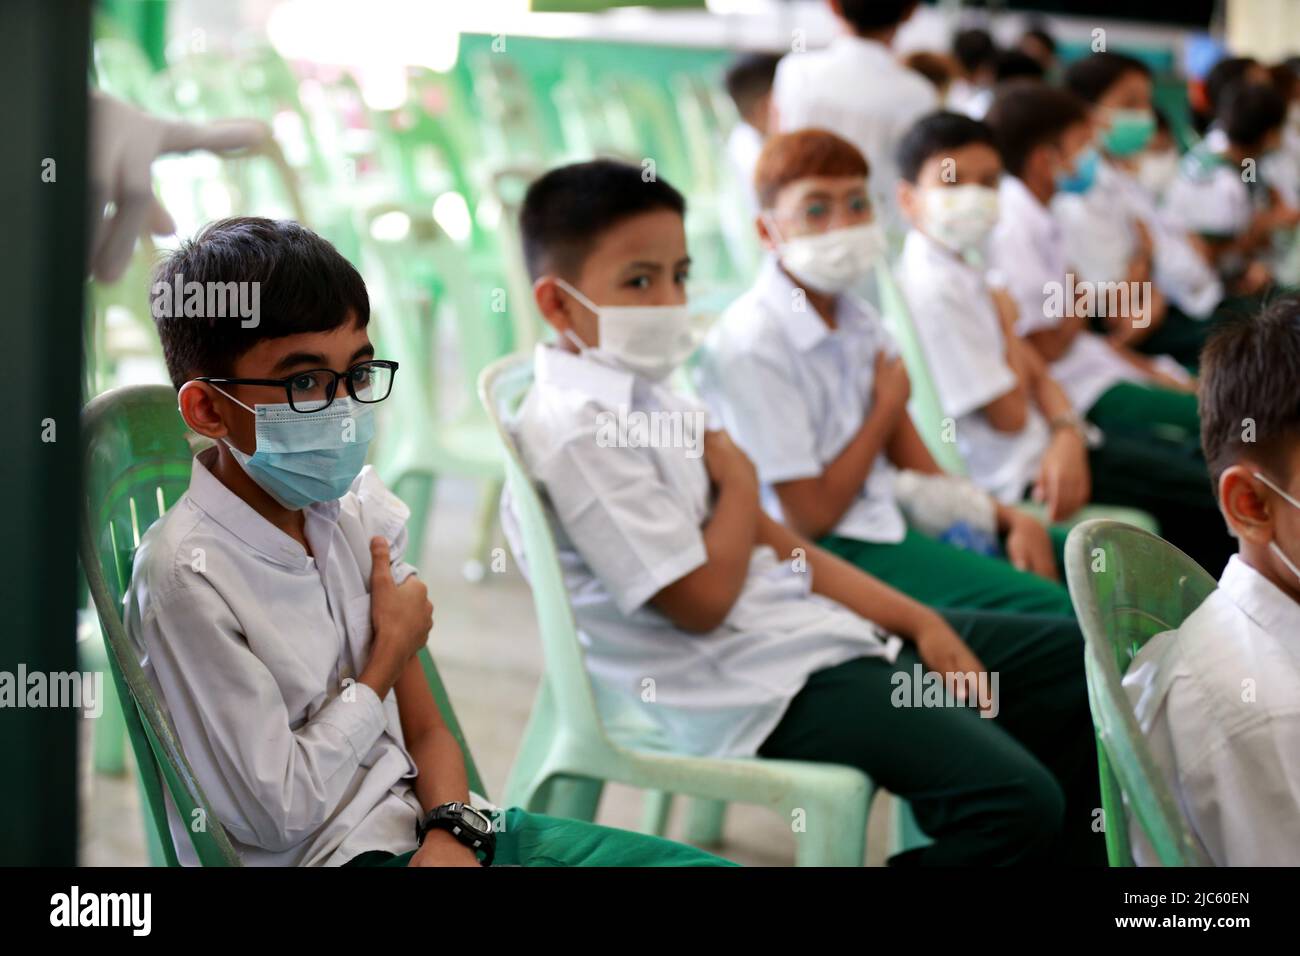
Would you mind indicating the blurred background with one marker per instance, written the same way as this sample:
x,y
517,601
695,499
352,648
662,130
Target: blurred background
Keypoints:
x,y
406,132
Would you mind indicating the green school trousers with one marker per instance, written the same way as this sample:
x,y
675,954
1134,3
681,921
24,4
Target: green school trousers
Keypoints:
x,y
532,839
941,575
1019,787
1148,460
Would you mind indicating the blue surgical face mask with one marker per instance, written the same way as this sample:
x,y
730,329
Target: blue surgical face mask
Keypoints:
x,y
303,458
1080,179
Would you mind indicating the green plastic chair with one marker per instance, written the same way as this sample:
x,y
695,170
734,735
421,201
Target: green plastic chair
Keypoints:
x,y
1127,586
928,415
136,462
569,751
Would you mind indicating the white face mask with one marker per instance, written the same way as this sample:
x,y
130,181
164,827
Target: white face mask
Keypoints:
x,y
649,340
959,217
1273,545
1155,171
831,262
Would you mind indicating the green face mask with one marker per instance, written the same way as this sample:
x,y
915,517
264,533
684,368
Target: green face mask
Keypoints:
x,y
1129,132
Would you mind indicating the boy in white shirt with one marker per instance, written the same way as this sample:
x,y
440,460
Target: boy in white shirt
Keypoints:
x,y
1015,427
753,639
1114,232
1219,698
749,84
803,375
272,606
857,89
1221,192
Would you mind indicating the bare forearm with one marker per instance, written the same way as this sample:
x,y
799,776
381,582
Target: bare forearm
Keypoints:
x,y
441,769
820,503
846,584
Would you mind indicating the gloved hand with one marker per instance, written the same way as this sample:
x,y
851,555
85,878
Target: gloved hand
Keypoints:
x,y
124,143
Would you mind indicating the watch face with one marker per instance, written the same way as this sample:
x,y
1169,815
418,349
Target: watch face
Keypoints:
x,y
475,820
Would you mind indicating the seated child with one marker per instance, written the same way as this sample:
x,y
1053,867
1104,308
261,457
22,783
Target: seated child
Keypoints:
x,y
272,606
1015,426
733,635
1115,232
804,377
1221,193
749,84
1219,698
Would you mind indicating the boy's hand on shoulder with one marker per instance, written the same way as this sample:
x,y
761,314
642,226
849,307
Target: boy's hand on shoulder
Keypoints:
x,y
891,388
401,614
440,848
725,462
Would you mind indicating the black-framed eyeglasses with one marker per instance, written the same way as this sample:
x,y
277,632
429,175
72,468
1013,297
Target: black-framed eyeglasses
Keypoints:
x,y
314,390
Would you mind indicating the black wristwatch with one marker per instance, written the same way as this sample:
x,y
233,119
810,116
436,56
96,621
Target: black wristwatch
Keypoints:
x,y
466,824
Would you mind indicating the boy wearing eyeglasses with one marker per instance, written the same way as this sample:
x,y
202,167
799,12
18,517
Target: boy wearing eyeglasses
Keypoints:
x,y
1219,698
272,606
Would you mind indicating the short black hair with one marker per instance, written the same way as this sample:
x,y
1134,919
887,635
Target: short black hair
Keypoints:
x,y
1038,32
1013,64
1224,74
974,48
1248,394
566,210
1027,114
1250,111
1090,77
866,16
935,133
303,285
749,77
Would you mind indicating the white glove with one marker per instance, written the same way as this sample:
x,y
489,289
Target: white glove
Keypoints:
x,y
124,143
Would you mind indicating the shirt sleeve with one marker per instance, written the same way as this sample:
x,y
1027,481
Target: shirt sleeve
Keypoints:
x,y
636,533
964,347
765,413
270,784
1026,276
381,514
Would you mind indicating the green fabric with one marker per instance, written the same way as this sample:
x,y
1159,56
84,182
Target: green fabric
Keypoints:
x,y
941,575
1020,787
531,839
1179,336
1132,408
1151,459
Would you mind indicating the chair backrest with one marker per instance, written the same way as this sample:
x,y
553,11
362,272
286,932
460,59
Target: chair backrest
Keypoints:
x,y
1128,586
137,456
502,386
924,406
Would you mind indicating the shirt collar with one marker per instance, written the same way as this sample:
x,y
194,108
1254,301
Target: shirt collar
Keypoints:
x,y
805,328
1015,194
231,512
861,46
1260,599
554,367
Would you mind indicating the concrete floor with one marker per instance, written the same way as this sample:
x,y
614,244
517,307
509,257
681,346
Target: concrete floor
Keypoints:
x,y
485,643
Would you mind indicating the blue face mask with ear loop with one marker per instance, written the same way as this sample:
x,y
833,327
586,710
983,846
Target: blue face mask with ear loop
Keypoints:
x,y
1273,545
303,458
1080,179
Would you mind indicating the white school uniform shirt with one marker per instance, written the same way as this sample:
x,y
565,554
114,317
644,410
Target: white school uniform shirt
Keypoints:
x,y
858,90
793,392
627,521
956,321
1027,250
1099,229
1209,196
1219,702
250,644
